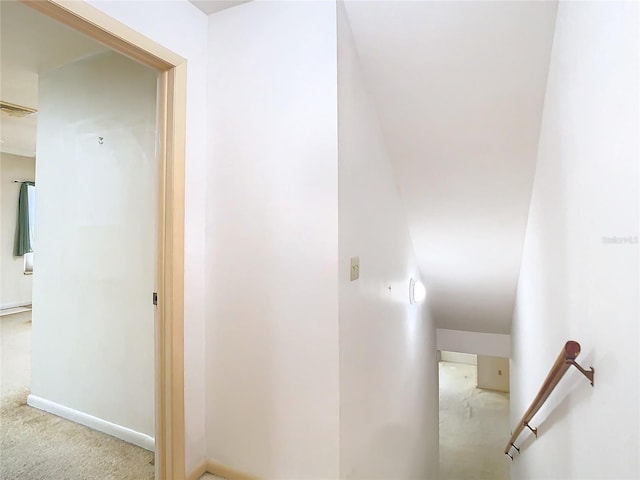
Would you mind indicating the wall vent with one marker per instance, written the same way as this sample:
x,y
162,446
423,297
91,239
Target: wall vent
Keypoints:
x,y
16,110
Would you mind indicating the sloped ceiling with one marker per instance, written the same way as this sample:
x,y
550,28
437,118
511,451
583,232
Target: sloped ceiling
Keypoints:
x,y
31,43
459,88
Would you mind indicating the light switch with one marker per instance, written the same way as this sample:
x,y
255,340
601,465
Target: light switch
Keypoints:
x,y
355,268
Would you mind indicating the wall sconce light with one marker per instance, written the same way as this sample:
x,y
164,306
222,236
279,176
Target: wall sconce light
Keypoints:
x,y
417,292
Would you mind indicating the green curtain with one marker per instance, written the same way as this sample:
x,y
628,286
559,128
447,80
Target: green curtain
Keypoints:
x,y
23,239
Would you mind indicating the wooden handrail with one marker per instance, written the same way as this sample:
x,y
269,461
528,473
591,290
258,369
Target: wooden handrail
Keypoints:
x,y
566,358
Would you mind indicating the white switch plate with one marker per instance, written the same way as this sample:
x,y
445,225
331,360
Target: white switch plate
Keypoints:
x,y
355,268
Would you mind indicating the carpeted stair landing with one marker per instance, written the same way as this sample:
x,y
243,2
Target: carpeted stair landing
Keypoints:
x,y
36,445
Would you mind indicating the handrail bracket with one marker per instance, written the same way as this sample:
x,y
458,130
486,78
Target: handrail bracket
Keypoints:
x,y
564,361
534,430
586,373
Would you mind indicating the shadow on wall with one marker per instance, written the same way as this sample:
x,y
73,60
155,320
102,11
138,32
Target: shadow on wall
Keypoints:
x,y
378,452
252,411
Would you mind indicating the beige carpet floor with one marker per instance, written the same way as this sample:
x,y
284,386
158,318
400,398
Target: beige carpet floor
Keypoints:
x,y
474,427
36,445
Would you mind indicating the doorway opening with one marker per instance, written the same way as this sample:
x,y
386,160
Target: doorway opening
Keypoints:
x,y
474,416
168,325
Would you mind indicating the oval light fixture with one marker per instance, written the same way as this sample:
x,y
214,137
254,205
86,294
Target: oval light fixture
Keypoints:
x,y
417,291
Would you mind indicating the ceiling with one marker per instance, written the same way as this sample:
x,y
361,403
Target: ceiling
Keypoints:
x,y
31,44
459,88
213,6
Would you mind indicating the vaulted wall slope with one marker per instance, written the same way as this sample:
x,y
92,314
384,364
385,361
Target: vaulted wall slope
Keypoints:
x,y
388,370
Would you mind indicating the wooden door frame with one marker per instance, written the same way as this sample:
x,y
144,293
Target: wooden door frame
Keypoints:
x,y
169,325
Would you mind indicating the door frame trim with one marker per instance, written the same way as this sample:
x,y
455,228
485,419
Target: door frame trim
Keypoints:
x,y
169,324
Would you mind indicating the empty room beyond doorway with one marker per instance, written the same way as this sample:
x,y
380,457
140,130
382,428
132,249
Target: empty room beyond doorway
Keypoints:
x,y
474,422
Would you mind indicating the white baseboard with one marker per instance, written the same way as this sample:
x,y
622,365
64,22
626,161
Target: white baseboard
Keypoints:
x,y
198,472
220,471
4,306
224,471
123,433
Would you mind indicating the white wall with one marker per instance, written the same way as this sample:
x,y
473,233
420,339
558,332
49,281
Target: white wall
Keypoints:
x,y
272,234
15,287
93,320
455,357
495,344
493,373
388,370
572,284
181,27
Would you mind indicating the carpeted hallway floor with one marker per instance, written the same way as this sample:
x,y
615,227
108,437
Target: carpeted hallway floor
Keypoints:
x,y
35,445
474,427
